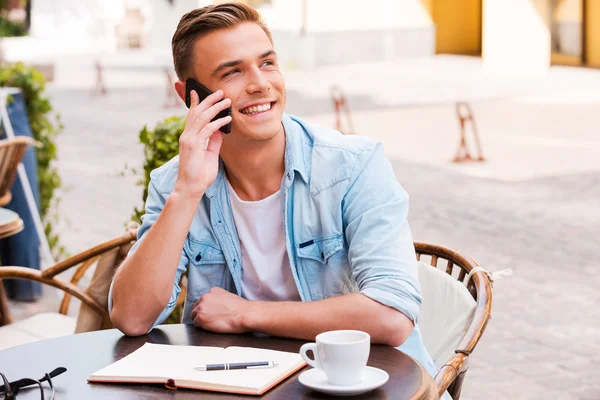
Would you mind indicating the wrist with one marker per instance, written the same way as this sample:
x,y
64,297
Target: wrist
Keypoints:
x,y
250,318
186,195
184,205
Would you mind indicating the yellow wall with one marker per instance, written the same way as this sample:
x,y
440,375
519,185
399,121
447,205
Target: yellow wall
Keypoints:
x,y
592,33
458,25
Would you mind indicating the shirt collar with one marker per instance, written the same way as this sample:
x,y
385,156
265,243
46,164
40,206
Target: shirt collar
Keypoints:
x,y
295,154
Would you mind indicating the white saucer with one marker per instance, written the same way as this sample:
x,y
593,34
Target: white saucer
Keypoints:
x,y
316,380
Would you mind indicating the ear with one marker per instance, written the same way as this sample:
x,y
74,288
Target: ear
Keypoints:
x,y
180,89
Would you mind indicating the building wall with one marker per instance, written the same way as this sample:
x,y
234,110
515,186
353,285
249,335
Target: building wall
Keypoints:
x,y
73,25
516,36
566,26
321,32
306,32
64,27
346,31
162,20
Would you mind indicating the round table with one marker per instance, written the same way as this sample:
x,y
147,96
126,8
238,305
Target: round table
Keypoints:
x,y
86,353
10,223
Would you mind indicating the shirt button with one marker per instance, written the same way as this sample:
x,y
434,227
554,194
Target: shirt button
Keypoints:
x,y
322,255
199,257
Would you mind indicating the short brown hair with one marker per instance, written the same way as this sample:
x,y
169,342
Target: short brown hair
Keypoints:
x,y
203,20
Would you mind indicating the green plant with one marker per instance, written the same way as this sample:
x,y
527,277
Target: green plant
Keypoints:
x,y
9,28
160,145
39,110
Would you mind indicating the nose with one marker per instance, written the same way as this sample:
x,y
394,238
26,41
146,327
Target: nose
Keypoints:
x,y
258,82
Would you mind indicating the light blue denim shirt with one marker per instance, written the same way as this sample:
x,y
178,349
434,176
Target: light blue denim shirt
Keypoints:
x,y
345,221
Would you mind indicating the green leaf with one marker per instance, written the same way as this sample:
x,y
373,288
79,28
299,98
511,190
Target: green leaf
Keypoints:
x,y
32,84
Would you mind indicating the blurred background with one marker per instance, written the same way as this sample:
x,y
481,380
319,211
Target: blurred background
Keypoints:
x,y
489,111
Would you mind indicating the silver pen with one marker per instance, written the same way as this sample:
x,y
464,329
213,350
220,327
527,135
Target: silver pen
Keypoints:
x,y
244,365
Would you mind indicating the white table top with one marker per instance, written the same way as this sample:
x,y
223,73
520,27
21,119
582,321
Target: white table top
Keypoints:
x,y
7,216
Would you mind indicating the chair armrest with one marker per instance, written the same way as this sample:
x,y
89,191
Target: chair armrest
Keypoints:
x,y
471,338
11,272
450,371
5,317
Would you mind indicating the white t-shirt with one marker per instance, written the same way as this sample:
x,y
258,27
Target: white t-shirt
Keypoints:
x,y
266,271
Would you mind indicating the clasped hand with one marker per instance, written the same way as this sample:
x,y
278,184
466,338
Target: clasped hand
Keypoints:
x,y
220,311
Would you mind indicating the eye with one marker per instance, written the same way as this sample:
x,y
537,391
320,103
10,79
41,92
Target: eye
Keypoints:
x,y
229,73
268,63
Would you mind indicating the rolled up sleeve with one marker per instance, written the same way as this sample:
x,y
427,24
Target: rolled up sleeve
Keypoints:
x,y
380,246
155,203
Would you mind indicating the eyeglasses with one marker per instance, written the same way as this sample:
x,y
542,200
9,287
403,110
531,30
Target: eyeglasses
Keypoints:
x,y
9,390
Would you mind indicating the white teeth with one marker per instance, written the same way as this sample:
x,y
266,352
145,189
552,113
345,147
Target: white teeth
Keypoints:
x,y
256,109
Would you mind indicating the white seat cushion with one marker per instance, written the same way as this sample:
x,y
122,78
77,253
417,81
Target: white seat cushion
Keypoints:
x,y
448,309
38,327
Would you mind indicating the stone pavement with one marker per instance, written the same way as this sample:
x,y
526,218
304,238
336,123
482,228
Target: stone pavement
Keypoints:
x,y
532,207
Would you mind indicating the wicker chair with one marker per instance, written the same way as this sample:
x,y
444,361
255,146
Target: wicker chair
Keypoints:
x,y
94,298
12,152
452,374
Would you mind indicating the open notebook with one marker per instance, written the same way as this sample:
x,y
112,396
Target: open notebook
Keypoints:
x,y
159,363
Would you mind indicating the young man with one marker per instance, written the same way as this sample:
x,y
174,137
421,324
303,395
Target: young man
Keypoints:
x,y
284,228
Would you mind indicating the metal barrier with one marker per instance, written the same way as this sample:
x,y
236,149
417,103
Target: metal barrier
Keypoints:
x,y
171,98
465,115
340,105
100,88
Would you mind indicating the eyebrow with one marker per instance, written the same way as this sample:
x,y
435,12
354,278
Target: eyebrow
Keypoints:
x,y
229,64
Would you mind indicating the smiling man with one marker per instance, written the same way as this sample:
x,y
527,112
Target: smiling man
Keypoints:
x,y
284,228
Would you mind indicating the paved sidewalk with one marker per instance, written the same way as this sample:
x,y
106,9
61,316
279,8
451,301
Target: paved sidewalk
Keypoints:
x,y
532,207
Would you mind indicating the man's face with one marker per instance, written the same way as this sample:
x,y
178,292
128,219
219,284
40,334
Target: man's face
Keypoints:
x,y
241,62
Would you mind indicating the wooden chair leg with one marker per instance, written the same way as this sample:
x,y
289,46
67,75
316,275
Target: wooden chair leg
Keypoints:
x,y
456,387
5,317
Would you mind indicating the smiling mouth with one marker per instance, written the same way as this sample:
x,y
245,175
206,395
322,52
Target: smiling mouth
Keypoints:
x,y
258,109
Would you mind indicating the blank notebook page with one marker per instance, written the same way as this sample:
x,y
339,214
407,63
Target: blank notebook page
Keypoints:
x,y
154,362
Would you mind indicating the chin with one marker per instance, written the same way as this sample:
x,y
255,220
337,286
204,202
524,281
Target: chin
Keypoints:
x,y
260,130
263,133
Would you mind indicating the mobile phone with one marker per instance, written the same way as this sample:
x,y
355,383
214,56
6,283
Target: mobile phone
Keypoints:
x,y
203,92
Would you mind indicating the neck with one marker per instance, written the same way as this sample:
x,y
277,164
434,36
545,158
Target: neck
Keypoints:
x,y
255,169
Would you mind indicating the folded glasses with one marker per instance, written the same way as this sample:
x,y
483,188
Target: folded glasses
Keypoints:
x,y
9,390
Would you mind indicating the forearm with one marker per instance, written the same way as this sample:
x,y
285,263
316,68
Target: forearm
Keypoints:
x,y
305,320
144,282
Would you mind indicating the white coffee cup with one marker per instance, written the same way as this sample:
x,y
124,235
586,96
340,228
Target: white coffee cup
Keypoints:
x,y
342,355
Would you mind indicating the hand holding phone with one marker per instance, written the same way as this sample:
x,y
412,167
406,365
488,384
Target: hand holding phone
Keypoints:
x,y
203,93
200,145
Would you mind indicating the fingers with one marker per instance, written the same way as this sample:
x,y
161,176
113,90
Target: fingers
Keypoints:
x,y
208,115
197,318
197,107
195,310
194,99
212,127
215,142
196,321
